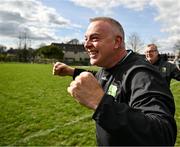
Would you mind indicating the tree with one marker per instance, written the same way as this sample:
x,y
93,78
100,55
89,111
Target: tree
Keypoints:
x,y
50,52
2,48
134,42
2,52
23,55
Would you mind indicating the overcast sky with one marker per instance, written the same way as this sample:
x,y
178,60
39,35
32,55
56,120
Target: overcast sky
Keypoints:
x,y
46,21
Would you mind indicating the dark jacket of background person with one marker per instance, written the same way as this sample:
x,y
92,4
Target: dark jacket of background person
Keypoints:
x,y
168,70
137,108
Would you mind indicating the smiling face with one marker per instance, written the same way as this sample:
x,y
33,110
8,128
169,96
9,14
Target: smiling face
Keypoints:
x,y
152,54
102,44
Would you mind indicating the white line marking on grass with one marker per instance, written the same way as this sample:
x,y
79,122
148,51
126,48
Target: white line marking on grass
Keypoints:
x,y
46,132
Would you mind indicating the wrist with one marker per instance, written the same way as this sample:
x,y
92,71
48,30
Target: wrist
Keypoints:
x,y
71,71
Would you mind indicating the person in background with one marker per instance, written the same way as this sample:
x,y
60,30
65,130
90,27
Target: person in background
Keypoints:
x,y
132,104
168,70
177,59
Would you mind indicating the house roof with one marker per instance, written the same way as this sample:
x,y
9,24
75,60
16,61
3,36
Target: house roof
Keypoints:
x,y
70,47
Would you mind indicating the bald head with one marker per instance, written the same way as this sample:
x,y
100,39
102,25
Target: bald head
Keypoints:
x,y
116,27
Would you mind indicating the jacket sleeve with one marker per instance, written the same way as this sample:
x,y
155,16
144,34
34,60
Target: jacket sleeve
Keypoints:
x,y
77,71
147,119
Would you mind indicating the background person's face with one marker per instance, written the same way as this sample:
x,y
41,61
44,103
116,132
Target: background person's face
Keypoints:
x,y
151,54
99,43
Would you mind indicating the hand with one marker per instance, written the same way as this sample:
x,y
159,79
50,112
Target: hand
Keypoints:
x,y
86,90
62,69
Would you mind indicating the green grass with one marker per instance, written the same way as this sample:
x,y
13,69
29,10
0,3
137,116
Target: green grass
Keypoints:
x,y
175,88
35,109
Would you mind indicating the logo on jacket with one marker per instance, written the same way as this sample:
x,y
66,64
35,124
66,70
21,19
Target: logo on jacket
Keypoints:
x,y
112,90
163,69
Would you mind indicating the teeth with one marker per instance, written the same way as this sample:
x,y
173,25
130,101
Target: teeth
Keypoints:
x,y
92,54
92,51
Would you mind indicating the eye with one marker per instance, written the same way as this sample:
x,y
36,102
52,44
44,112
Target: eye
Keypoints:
x,y
85,39
94,38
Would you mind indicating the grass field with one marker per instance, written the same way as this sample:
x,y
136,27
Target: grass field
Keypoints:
x,y
37,110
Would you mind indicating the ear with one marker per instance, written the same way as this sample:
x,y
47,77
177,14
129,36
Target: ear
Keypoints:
x,y
118,42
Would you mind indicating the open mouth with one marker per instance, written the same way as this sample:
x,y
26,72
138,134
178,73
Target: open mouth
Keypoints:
x,y
93,54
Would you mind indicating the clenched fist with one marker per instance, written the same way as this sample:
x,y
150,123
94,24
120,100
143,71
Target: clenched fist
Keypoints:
x,y
62,69
86,90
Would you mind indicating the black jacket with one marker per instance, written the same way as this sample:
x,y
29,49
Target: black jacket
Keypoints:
x,y
137,108
168,70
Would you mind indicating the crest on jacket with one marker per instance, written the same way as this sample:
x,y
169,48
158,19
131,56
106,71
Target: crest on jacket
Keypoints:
x,y
163,69
112,90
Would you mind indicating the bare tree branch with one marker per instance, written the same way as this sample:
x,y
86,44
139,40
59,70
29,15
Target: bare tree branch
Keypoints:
x,y
134,42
